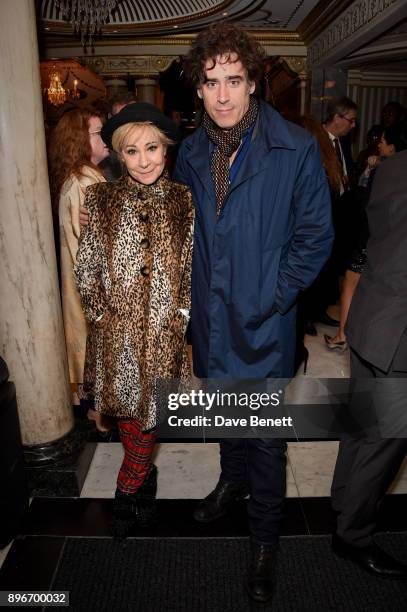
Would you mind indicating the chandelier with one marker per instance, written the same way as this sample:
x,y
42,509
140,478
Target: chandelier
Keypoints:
x,y
86,16
56,92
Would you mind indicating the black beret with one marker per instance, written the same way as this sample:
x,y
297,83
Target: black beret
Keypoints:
x,y
139,112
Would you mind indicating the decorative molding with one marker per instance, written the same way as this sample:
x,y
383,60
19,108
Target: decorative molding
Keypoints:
x,y
365,78
264,38
134,18
358,15
296,64
143,65
321,16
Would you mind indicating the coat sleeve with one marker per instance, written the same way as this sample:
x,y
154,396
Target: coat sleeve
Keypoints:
x,y
180,174
89,263
186,257
70,199
312,239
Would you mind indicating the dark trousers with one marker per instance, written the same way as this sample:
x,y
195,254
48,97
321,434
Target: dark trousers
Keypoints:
x,y
261,463
367,465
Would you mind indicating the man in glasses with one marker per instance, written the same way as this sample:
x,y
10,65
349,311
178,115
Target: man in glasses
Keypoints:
x,y
341,119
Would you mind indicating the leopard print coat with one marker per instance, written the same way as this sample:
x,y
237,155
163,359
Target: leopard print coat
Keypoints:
x,y
133,272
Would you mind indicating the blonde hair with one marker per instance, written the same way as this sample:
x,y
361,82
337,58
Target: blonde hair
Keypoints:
x,y
122,135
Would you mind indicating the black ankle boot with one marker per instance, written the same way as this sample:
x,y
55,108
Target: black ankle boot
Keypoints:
x,y
262,568
216,503
135,509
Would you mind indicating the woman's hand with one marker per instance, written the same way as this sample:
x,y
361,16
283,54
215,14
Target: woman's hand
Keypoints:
x,y
373,161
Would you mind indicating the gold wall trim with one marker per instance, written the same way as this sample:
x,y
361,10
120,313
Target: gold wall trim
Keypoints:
x,y
122,65
296,64
181,40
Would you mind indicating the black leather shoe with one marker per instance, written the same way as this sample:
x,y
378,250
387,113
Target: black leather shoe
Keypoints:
x,y
260,580
327,320
216,504
370,558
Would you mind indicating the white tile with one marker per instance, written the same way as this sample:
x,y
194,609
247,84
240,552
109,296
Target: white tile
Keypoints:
x,y
102,474
3,553
313,464
185,471
324,362
400,482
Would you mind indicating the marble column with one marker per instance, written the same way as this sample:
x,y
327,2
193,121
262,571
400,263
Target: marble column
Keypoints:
x,y
31,329
145,90
303,94
115,86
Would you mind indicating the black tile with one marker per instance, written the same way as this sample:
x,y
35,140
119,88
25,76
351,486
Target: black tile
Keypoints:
x,y
68,516
319,515
92,517
31,563
321,519
393,513
62,478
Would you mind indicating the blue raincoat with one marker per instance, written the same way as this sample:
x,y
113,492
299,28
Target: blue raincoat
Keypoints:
x,y
270,241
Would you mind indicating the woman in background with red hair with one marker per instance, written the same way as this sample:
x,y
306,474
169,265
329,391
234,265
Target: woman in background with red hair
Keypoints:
x,y
75,151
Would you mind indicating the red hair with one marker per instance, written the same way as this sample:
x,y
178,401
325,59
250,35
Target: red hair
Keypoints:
x,y
69,149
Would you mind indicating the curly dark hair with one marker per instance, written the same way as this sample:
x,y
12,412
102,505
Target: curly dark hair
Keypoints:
x,y
223,39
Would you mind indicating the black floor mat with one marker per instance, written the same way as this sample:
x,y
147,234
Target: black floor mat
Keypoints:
x,y
208,575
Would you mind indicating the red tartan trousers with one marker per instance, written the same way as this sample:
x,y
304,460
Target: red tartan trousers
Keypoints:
x,y
138,447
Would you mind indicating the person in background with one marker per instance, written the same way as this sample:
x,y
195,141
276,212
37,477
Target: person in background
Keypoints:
x,y
133,274
75,150
391,142
341,116
111,166
393,114
372,141
309,307
119,101
377,335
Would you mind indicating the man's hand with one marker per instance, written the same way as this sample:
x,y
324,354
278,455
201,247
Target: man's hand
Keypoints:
x,y
83,216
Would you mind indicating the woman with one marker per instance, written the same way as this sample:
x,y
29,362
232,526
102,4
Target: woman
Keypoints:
x,y
391,142
133,274
76,149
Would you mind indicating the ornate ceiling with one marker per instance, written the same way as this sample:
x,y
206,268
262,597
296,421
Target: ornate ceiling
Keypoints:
x,y
152,17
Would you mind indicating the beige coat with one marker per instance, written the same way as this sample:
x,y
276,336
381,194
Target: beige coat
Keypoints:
x,y
133,273
69,229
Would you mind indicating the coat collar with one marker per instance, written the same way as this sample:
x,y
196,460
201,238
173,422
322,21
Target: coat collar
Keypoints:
x,y
271,131
161,185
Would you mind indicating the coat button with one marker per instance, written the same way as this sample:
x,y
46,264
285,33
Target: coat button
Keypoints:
x,y
145,243
141,196
145,271
143,216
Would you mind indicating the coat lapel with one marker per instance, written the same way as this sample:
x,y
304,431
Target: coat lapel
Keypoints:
x,y
199,160
263,140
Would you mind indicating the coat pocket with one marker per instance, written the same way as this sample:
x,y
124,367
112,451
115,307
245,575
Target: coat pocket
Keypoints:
x,y
270,271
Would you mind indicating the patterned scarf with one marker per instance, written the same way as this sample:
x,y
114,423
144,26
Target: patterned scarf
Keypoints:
x,y
227,142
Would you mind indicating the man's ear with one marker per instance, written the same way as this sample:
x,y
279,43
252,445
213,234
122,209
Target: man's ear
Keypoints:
x,y
252,87
199,93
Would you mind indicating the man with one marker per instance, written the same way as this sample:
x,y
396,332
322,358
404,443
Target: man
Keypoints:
x,y
111,166
262,232
377,333
341,116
